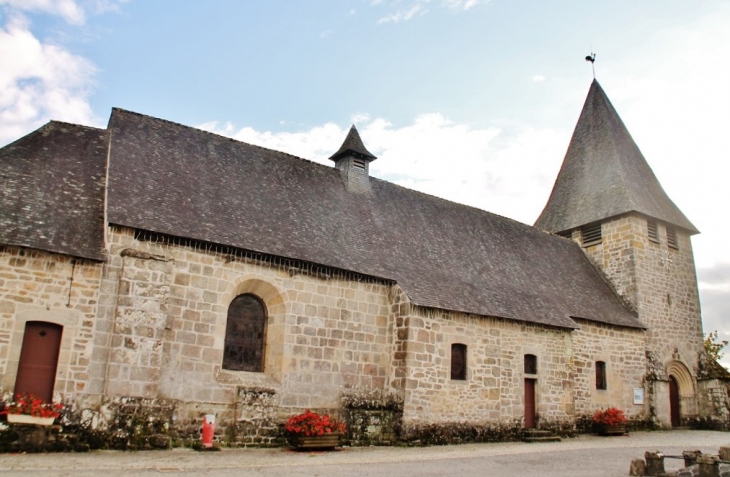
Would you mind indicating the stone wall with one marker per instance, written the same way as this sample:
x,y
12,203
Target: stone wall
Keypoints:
x,y
493,392
323,333
622,349
660,282
40,286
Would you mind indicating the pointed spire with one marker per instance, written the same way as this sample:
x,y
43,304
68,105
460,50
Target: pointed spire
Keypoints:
x,y
604,175
353,146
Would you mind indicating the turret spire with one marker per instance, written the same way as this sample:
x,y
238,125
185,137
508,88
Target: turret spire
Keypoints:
x,y
605,175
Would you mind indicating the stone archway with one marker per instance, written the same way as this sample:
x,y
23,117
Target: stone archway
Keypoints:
x,y
681,392
273,301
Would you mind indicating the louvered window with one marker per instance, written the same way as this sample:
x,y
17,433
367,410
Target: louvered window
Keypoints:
x,y
566,233
601,375
458,361
653,231
591,234
672,238
530,364
359,163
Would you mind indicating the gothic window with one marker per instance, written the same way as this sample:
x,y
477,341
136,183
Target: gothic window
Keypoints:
x,y
672,238
601,375
530,364
245,335
653,231
591,234
458,361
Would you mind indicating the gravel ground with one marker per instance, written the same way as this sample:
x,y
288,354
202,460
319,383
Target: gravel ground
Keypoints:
x,y
584,455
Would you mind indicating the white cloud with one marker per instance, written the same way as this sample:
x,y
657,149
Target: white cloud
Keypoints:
x,y
73,11
462,4
419,7
538,78
39,81
68,9
359,118
404,15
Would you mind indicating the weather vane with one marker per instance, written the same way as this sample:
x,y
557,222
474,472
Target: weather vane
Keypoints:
x,y
592,59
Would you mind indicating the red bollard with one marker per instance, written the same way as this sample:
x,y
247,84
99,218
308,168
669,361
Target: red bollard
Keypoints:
x,y
208,430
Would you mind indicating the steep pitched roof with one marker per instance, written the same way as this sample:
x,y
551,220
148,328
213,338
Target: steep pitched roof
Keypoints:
x,y
52,190
176,180
604,175
353,145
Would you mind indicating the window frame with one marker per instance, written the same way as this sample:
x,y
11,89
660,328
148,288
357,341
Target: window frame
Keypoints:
x,y
232,363
601,376
529,363
460,375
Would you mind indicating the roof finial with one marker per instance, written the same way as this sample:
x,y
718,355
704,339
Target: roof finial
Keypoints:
x,y
592,59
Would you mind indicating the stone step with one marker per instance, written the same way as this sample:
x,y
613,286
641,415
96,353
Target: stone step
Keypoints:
x,y
538,435
552,438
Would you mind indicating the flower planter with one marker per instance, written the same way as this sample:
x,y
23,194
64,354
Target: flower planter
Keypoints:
x,y
323,442
26,419
611,430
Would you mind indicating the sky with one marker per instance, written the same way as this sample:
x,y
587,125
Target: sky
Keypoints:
x,y
470,100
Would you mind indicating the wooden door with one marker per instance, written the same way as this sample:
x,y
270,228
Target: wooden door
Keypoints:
x,y
38,359
530,403
674,402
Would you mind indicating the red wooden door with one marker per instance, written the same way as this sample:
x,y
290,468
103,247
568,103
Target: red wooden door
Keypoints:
x,y
38,359
529,403
674,402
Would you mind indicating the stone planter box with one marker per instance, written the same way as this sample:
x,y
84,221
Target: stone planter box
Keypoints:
x,y
26,419
323,442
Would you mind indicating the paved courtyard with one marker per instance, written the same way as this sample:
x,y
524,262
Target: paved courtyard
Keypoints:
x,y
583,456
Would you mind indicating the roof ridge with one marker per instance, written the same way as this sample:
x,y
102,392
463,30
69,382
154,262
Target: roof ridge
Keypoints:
x,y
328,167
147,116
56,121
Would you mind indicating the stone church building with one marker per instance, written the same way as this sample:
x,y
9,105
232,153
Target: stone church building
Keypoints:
x,y
151,273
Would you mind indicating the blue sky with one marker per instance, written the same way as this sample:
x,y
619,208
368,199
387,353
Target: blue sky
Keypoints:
x,y
471,100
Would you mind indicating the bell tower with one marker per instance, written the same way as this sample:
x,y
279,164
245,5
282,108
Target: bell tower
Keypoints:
x,y
607,198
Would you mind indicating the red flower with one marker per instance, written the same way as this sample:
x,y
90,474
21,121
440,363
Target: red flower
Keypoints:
x,y
610,417
312,424
32,406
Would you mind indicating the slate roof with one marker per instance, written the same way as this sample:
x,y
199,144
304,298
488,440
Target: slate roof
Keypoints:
x,y
52,190
353,145
176,180
604,175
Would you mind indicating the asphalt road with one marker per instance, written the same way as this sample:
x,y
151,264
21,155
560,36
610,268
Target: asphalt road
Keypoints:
x,y
583,456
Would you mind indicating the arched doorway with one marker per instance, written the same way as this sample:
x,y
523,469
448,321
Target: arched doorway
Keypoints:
x,y
674,410
39,359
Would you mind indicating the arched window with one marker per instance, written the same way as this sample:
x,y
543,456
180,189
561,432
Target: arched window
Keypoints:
x,y
530,364
458,361
245,334
601,381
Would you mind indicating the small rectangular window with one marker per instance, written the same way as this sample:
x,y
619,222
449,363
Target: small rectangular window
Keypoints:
x,y
458,361
591,234
653,231
530,364
359,163
672,238
601,375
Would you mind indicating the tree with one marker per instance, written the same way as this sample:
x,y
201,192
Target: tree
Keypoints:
x,y
713,346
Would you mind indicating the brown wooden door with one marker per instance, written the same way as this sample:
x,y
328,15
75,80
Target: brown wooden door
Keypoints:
x,y
674,402
38,359
529,403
